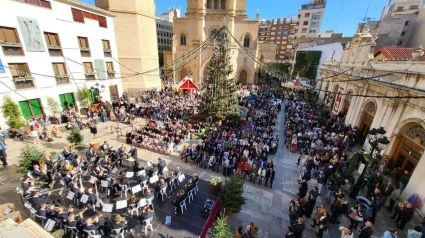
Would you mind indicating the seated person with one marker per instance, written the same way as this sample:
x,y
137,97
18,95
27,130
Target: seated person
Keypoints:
x,y
143,178
92,225
56,132
21,133
147,213
161,165
180,198
36,200
117,224
26,182
105,146
27,192
152,170
148,194
132,201
161,184
61,214
42,212
72,222
38,174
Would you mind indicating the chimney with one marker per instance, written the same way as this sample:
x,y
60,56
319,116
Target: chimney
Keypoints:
x,y
417,53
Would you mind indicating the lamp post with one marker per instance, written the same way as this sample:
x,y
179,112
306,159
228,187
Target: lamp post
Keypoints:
x,y
377,141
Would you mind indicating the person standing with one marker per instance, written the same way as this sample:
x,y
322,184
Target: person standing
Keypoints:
x,y
321,180
404,180
376,204
3,154
395,196
298,228
405,216
323,225
386,192
289,233
346,232
270,175
366,230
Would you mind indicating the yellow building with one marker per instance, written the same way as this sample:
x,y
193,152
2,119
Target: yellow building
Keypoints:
x,y
204,17
135,31
364,85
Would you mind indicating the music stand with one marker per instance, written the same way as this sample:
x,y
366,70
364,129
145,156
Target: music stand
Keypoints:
x,y
129,175
70,195
92,179
181,178
50,224
142,202
121,205
141,173
136,189
104,184
114,170
107,207
84,198
61,191
153,179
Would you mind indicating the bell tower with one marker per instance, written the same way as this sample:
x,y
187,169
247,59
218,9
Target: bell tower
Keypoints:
x,y
135,24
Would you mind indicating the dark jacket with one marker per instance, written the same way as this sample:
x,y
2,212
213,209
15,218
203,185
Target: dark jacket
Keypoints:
x,y
366,233
406,214
133,153
298,230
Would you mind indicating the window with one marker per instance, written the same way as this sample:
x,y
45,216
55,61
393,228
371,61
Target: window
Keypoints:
x,y
223,4
312,31
110,69
399,42
246,41
102,21
9,41
41,3
77,15
316,15
107,52
304,30
285,32
412,7
67,100
314,24
52,39
209,4
21,75
216,4
89,71
182,39
307,15
83,42
60,73
406,23
31,108
400,8
403,33
305,23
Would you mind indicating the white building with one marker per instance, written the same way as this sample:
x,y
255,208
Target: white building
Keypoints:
x,y
53,47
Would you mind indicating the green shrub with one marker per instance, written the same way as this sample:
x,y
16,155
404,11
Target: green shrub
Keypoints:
x,y
75,136
11,111
29,156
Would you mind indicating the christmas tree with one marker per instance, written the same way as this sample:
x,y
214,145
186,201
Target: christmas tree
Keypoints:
x,y
221,229
219,99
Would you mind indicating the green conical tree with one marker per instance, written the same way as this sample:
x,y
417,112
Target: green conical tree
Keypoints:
x,y
231,197
75,136
12,113
219,99
221,229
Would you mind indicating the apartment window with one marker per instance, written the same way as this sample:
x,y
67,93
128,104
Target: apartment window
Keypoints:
x,y
31,108
84,46
41,3
285,32
279,33
305,23
89,71
399,42
316,15
304,30
102,21
314,24
77,15
280,27
412,7
9,41
406,23
21,75
273,28
110,69
403,33
307,15
60,73
182,39
53,44
400,8
312,31
107,52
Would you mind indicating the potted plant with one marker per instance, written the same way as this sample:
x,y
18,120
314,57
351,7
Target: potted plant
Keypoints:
x,y
11,111
221,228
231,197
215,184
84,96
75,136
95,144
29,156
55,108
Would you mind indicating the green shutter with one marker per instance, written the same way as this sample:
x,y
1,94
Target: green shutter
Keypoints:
x,y
36,108
70,99
62,99
25,109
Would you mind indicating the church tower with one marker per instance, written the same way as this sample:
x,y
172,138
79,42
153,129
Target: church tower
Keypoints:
x,y
135,31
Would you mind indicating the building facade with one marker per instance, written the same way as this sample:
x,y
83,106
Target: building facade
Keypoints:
x,y
401,7
372,103
164,33
310,18
169,16
203,18
135,26
53,48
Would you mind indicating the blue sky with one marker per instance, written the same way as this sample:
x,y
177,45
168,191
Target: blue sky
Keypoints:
x,y
340,15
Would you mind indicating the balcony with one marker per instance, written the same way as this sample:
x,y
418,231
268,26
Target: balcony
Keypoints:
x,y
111,74
11,48
55,50
85,52
90,76
107,52
62,79
24,82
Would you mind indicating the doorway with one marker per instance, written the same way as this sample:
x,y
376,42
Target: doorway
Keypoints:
x,y
113,90
243,77
366,121
346,105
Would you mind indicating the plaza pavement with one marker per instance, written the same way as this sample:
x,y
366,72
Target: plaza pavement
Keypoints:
x,y
267,208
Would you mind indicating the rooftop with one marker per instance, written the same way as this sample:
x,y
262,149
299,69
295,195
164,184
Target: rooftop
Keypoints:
x,y
398,53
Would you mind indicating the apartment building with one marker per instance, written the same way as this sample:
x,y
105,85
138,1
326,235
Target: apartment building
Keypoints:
x,y
401,7
282,32
50,48
164,31
310,18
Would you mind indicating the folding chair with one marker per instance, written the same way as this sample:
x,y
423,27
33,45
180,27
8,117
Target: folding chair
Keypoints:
x,y
73,230
182,205
163,192
118,232
148,223
190,195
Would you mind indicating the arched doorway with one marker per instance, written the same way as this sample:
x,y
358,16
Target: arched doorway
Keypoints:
x,y
243,77
410,147
346,104
368,115
183,73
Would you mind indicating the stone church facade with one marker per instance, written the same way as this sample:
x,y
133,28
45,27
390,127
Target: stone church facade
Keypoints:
x,y
204,17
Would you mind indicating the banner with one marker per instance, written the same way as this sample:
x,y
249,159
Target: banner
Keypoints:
x,y
338,99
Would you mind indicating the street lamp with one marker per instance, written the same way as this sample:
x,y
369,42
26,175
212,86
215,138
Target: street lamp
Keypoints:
x,y
377,141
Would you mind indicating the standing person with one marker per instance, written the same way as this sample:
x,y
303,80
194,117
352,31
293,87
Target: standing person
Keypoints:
x,y
321,180
3,154
405,215
289,233
366,230
376,204
298,228
270,175
319,213
386,192
404,180
302,190
356,215
323,225
395,196
239,232
346,232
